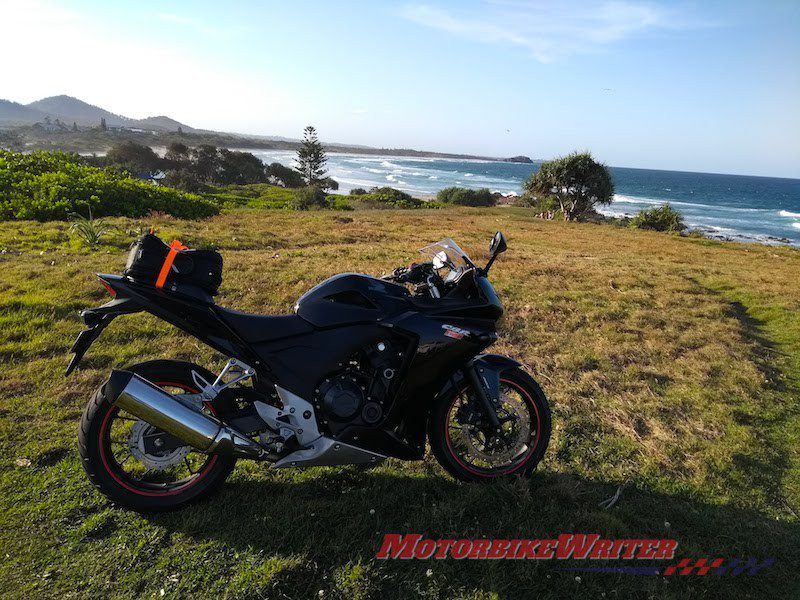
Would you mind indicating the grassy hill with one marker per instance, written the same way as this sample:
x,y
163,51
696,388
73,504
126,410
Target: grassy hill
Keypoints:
x,y
672,366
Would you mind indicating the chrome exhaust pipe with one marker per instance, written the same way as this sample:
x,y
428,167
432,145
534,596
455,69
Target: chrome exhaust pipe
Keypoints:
x,y
203,432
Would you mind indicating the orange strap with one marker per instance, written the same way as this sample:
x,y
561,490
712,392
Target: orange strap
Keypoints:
x,y
174,248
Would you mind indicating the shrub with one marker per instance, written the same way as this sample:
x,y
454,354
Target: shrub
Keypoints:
x,y
358,192
336,202
659,218
466,197
51,185
89,229
308,197
393,197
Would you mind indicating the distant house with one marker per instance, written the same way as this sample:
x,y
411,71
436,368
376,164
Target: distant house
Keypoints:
x,y
49,126
154,177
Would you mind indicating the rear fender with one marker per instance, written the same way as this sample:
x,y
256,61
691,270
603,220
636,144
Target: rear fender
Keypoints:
x,y
97,319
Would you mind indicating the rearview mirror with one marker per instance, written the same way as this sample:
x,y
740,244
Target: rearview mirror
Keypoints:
x,y
498,244
440,259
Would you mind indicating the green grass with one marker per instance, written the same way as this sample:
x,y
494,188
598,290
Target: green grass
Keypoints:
x,y
672,365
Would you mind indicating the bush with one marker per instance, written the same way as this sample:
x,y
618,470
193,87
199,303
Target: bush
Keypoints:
x,y
466,197
51,185
358,192
336,202
659,218
308,197
393,197
89,229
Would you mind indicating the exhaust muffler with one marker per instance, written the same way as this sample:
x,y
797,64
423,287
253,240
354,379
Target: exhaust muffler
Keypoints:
x,y
203,432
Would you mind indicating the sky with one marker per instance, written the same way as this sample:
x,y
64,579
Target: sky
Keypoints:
x,y
708,86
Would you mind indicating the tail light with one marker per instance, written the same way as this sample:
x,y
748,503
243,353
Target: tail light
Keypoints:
x,y
110,289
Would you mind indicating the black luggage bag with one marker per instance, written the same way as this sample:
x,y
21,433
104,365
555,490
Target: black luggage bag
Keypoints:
x,y
153,262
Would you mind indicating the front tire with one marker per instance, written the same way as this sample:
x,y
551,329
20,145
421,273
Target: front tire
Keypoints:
x,y
183,477
466,448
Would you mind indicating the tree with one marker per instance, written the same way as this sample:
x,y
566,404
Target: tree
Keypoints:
x,y
180,130
240,167
329,184
134,157
206,162
177,154
287,177
311,158
74,126
103,126
576,181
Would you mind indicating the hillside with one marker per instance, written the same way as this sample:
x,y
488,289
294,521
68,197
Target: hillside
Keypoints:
x,y
158,131
672,366
13,112
70,110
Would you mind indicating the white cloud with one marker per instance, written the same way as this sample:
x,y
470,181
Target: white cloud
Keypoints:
x,y
548,30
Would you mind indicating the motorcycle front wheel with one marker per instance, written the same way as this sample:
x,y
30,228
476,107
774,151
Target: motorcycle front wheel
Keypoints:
x,y
470,449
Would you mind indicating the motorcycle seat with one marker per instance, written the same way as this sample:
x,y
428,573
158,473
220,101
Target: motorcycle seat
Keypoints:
x,y
255,328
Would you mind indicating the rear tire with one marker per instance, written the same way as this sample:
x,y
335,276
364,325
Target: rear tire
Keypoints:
x,y
104,468
531,417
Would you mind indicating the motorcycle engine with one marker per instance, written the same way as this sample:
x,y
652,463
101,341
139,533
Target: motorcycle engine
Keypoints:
x,y
359,393
342,397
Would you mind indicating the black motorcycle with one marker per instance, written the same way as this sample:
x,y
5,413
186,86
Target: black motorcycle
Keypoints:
x,y
364,370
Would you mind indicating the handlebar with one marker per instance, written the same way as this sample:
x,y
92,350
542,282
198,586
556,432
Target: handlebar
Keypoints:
x,y
414,273
421,275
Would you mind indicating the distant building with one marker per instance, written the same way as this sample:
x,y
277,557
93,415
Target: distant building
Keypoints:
x,y
49,126
154,177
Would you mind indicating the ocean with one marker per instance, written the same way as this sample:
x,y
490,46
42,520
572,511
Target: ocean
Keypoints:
x,y
743,208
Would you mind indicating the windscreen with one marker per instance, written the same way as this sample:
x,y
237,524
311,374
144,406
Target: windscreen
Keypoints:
x,y
448,253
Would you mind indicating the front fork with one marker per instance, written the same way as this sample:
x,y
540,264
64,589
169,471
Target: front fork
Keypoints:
x,y
486,383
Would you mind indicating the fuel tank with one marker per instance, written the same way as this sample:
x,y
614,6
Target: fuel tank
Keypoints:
x,y
350,298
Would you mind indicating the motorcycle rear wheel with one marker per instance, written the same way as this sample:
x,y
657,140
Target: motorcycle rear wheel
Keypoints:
x,y
140,482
